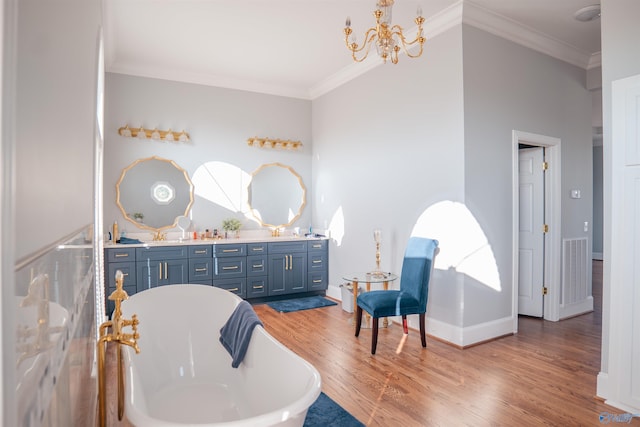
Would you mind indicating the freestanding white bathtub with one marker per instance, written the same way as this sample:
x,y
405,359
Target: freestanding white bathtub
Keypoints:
x,y
183,375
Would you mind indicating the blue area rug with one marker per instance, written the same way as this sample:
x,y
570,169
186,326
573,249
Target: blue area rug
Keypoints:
x,y
325,412
296,304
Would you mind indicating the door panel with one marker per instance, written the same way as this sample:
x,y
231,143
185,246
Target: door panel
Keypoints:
x,y
531,235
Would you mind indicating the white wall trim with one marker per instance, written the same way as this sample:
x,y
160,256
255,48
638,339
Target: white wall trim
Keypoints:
x,y
602,385
581,307
464,337
553,215
509,29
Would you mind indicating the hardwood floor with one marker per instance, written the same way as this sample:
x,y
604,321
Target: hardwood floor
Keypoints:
x,y
544,375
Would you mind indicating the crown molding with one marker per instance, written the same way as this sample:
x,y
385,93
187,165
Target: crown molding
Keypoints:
x,y
516,32
209,80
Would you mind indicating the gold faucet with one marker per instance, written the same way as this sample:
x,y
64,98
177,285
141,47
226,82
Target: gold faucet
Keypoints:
x,y
116,324
159,236
37,295
275,232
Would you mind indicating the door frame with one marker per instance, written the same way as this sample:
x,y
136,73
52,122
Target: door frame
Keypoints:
x,y
553,218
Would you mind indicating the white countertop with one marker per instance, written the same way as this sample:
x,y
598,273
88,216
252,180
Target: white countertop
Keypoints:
x,y
178,241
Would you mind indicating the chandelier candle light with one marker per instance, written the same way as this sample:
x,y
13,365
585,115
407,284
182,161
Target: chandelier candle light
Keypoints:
x,y
388,38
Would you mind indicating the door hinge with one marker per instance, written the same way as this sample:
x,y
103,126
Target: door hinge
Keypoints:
x,y
545,228
545,166
545,290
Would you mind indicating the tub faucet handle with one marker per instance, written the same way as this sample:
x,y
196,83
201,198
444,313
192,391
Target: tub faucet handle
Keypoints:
x,y
132,339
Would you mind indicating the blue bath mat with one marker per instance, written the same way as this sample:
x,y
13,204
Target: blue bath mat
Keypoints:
x,y
296,304
325,412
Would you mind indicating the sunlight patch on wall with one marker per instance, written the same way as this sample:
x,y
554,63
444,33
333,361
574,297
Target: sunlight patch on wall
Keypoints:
x,y
336,226
223,184
463,245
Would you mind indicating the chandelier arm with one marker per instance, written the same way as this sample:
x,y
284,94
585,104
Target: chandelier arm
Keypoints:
x,y
396,30
366,52
369,36
405,44
417,54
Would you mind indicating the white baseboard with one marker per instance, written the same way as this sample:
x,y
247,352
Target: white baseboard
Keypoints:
x,y
470,335
597,256
334,292
602,385
581,307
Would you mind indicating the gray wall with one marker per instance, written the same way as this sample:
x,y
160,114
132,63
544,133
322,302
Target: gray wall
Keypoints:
x,y
508,87
219,122
387,147
55,117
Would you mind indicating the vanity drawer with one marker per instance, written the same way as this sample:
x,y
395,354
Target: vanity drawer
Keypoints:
x,y
229,267
317,261
161,253
120,254
257,265
318,245
200,269
201,251
317,281
230,250
256,248
287,247
257,287
237,286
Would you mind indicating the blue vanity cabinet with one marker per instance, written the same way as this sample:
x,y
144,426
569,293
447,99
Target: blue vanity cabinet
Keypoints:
x,y
201,264
317,267
287,267
257,270
122,259
165,265
250,270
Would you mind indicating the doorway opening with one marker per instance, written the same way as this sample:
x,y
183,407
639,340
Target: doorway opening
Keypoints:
x,y
549,241
531,230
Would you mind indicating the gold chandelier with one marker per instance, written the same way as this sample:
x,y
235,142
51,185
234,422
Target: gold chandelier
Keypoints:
x,y
388,38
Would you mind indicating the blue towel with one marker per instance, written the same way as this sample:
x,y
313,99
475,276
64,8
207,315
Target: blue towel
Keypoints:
x,y
128,241
236,332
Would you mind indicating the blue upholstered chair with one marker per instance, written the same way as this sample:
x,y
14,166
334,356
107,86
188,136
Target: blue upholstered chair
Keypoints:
x,y
411,298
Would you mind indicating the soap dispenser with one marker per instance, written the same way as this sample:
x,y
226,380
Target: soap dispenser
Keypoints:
x,y
114,232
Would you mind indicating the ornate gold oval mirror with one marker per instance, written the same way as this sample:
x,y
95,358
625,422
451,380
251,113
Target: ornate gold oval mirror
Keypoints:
x,y
153,193
277,195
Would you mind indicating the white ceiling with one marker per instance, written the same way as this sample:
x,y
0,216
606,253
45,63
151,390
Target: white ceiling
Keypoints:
x,y
296,47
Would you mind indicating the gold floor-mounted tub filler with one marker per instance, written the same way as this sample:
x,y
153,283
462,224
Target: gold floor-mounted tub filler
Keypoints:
x,y
116,325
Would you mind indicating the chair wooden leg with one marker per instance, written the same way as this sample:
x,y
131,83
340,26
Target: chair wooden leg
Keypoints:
x,y
374,337
423,335
358,320
404,324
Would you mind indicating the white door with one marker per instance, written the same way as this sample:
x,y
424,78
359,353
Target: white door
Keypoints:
x,y
624,283
531,235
